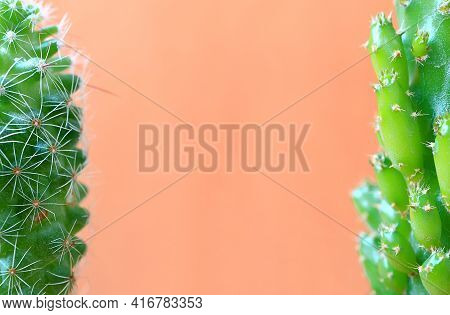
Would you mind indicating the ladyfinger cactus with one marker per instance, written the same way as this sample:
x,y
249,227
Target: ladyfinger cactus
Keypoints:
x,y
40,160
408,210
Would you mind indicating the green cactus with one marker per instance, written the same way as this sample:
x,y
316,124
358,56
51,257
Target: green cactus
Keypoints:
x,y
40,159
408,210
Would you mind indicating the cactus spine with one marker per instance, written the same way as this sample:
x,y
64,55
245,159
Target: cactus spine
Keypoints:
x,y
40,160
408,210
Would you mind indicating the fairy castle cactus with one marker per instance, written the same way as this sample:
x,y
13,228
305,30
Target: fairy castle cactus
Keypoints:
x,y
407,210
40,160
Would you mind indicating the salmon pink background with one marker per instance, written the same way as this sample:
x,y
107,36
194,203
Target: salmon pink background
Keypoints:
x,y
224,61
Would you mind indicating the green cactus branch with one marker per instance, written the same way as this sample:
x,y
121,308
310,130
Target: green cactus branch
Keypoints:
x,y
40,159
408,250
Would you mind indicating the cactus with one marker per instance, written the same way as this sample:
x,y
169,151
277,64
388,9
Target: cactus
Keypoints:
x,y
40,159
407,210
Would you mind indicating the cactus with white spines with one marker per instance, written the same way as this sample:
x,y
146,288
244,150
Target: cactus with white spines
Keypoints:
x,y
408,209
40,159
